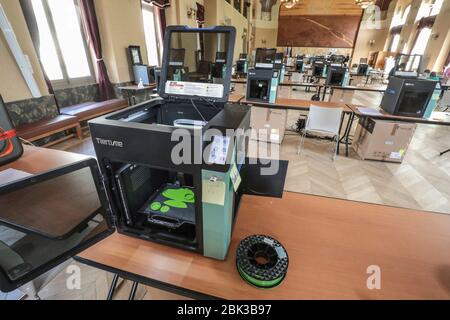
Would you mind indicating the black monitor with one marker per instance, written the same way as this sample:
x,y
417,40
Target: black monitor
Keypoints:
x,y
243,56
265,58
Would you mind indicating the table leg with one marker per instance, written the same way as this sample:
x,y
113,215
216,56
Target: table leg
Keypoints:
x,y
346,136
324,92
340,129
133,291
350,124
112,289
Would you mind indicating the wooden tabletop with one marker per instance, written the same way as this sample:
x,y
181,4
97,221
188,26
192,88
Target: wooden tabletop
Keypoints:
x,y
40,210
39,160
297,104
385,116
331,243
235,97
136,88
358,88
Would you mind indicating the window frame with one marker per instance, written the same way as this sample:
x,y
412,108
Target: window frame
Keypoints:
x,y
68,82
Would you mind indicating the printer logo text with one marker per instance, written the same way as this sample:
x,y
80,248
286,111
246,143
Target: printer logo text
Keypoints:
x,y
110,143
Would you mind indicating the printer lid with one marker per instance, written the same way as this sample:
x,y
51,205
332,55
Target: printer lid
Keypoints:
x,y
186,51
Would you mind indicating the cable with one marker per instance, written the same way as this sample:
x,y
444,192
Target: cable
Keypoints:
x,y
207,101
198,111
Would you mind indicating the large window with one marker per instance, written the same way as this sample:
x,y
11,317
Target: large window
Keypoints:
x,y
152,33
395,43
429,8
63,48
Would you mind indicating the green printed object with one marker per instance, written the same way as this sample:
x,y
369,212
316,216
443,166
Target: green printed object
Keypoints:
x,y
176,204
165,209
155,206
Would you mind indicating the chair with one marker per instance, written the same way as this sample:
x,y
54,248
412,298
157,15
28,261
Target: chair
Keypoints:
x,y
325,121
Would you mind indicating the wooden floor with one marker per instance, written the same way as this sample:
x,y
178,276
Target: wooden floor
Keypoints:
x,y
422,181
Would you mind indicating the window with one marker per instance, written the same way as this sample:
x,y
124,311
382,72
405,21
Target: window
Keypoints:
x,y
422,41
400,18
395,43
428,9
63,49
152,31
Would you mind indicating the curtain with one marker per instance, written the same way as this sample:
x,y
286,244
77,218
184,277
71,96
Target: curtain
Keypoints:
x,y
30,18
396,30
201,22
89,17
160,6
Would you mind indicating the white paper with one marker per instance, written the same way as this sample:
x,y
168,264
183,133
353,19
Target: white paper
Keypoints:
x,y
11,175
369,111
212,90
219,150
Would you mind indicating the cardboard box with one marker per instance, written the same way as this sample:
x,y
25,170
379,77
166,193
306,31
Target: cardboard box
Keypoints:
x,y
383,140
342,96
268,125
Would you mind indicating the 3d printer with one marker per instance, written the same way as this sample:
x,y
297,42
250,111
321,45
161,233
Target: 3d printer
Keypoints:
x,y
299,64
190,204
338,76
408,97
141,72
262,81
242,65
319,68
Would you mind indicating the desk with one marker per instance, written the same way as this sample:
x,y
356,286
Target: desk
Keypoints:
x,y
131,92
384,116
304,105
330,243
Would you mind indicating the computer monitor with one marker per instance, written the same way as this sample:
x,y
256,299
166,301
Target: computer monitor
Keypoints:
x,y
243,56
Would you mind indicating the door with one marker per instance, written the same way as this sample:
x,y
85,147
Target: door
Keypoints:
x,y
48,218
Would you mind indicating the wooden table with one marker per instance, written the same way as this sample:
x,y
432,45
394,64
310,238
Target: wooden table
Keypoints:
x,y
132,90
304,105
331,243
379,89
39,160
46,219
235,98
385,116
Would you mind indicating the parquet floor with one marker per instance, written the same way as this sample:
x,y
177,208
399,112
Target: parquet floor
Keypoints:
x,y
422,181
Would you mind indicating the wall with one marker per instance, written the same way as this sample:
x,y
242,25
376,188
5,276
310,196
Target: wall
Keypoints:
x,y
220,12
439,46
12,84
265,26
120,24
373,35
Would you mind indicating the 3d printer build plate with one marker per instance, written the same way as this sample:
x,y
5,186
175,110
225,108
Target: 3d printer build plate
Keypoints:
x,y
171,205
